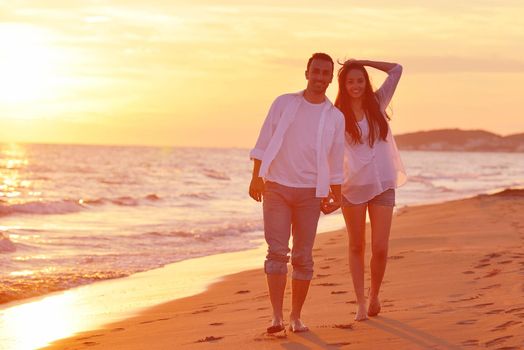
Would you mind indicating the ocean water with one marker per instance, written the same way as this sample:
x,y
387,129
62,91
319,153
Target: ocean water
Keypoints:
x,y
72,215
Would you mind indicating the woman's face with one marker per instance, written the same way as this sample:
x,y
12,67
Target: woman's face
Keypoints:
x,y
355,83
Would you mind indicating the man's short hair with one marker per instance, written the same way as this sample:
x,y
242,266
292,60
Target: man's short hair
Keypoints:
x,y
321,56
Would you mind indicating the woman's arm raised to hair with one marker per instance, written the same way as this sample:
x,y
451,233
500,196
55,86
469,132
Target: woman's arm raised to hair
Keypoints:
x,y
383,66
385,92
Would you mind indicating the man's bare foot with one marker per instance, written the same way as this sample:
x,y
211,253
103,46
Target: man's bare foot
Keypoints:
x,y
374,307
361,312
296,326
277,325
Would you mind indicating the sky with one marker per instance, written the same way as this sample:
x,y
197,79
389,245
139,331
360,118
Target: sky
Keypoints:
x,y
204,73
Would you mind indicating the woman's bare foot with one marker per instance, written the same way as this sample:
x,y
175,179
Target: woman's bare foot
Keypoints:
x,y
296,326
374,307
277,325
361,312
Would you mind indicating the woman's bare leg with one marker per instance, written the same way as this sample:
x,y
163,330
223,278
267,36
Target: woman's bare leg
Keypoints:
x,y
355,218
380,217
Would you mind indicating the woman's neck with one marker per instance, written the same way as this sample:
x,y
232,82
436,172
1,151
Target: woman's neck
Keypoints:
x,y
356,104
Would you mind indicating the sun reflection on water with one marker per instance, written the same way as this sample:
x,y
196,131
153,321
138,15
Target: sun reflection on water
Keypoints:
x,y
13,159
36,324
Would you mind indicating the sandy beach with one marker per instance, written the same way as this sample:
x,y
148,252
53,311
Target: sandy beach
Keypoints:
x,y
455,280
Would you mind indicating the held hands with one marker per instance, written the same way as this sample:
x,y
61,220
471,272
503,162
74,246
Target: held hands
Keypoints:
x,y
256,188
329,204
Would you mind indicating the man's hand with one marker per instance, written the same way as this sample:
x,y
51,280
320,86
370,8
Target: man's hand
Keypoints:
x,y
256,188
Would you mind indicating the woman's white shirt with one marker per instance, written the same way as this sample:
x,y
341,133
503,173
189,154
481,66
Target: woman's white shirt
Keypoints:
x,y
369,171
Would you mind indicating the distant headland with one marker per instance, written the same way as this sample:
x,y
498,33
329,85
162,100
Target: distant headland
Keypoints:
x,y
460,140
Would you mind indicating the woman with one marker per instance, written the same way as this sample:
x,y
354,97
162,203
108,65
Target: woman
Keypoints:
x,y
372,171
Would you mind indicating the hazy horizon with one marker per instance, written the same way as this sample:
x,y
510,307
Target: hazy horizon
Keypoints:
x,y
199,146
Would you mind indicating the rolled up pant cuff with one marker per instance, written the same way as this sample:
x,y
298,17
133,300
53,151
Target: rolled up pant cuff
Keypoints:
x,y
272,267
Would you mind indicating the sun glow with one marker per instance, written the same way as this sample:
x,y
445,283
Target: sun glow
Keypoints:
x,y
29,65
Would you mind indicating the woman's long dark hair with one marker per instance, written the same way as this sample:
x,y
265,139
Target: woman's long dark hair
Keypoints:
x,y
377,120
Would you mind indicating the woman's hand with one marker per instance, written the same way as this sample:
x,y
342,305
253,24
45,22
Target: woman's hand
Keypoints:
x,y
329,204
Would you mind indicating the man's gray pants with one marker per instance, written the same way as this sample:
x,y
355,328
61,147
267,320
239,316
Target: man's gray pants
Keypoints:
x,y
290,210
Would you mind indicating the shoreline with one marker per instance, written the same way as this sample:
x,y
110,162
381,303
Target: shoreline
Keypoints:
x,y
328,223
478,277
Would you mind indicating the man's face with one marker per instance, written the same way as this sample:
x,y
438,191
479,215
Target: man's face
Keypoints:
x,y
319,76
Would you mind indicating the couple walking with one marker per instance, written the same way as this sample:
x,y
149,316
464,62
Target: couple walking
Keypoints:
x,y
313,156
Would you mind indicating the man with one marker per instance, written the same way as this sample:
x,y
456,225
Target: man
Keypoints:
x,y
297,158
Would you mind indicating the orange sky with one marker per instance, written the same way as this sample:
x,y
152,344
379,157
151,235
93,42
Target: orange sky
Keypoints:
x,y
203,73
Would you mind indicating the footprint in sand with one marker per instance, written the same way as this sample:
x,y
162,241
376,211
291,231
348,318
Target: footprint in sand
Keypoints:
x,y
339,292
120,329
152,321
492,273
319,275
395,257
90,343
494,312
517,309
498,341
216,324
494,255
483,305
479,266
91,336
325,267
387,303
467,322
208,339
492,286
330,259
327,284
469,272
343,326
505,262
464,299
504,326
243,292
470,342
200,311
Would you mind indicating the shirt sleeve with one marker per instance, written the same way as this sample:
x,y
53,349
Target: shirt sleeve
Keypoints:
x,y
386,91
266,132
336,153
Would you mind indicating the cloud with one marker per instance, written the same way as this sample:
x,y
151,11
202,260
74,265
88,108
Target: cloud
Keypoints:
x,y
456,64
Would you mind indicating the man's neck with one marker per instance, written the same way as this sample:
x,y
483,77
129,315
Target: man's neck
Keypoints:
x,y
313,97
